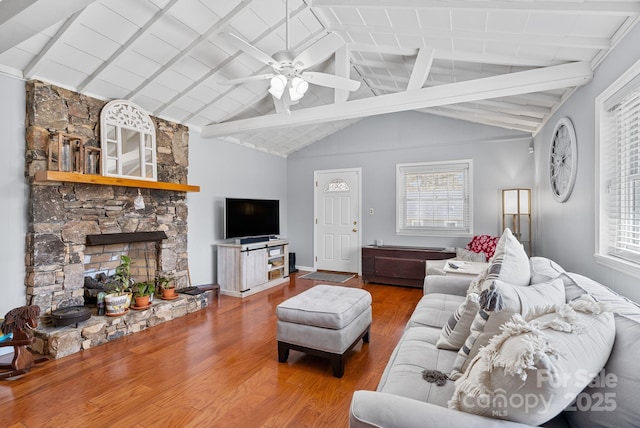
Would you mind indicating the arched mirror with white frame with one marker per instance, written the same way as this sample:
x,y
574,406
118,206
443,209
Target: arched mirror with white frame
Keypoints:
x,y
128,140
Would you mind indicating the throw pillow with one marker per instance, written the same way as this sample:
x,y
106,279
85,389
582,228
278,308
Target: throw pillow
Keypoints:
x,y
485,325
513,299
491,328
510,263
483,244
456,330
523,300
535,368
543,269
470,256
475,286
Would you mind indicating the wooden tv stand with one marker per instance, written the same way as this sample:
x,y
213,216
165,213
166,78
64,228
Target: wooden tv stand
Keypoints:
x,y
246,269
399,265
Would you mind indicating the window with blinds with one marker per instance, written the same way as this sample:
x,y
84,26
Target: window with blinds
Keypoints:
x,y
434,198
623,174
618,122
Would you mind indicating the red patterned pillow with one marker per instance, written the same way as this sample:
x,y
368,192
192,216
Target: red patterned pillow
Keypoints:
x,y
484,244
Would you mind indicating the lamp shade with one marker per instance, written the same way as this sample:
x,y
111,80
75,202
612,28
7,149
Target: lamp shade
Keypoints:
x,y
278,84
298,88
516,201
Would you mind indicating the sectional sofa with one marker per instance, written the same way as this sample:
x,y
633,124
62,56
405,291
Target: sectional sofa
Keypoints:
x,y
554,349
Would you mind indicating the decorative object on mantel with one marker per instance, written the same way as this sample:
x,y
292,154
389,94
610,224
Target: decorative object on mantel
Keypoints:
x,y
563,160
138,202
516,209
128,140
66,153
92,160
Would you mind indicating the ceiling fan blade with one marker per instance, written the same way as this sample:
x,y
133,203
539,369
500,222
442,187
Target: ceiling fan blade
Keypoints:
x,y
319,51
247,79
330,81
248,48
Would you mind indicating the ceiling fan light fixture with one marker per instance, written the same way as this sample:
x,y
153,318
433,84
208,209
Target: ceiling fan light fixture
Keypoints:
x,y
298,88
278,85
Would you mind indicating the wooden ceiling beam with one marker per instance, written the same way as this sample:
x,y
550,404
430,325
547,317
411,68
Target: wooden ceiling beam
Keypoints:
x,y
578,42
22,19
454,114
342,69
32,67
544,79
141,31
421,69
214,29
603,7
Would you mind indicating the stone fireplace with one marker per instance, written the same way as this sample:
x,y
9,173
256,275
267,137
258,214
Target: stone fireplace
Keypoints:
x,y
63,216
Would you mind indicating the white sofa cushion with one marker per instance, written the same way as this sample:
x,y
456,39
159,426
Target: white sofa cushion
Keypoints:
x,y
534,369
415,352
434,310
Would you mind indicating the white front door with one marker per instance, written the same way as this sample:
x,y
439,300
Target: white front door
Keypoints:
x,y
337,220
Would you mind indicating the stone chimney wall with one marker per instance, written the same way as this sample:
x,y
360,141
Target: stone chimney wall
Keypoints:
x,y
61,215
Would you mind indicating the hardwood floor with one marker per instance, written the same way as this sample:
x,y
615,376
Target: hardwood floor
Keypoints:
x,y
216,367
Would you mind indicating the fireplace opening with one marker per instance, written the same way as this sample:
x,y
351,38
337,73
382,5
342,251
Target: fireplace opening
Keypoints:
x,y
102,257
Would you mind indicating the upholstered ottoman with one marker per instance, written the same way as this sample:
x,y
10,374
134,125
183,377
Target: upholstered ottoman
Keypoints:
x,y
326,321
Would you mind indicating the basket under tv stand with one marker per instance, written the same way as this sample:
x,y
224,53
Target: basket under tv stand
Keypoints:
x,y
246,269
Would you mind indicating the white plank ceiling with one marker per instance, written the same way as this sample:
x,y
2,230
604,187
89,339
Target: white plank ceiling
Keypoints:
x,y
507,63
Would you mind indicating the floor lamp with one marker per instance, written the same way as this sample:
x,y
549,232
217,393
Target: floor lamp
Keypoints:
x,y
516,210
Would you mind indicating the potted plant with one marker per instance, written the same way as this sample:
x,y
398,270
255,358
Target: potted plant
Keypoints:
x,y
142,293
166,287
118,300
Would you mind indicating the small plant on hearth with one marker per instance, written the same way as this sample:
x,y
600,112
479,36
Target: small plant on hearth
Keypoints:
x,y
142,292
141,289
163,283
165,286
118,300
122,278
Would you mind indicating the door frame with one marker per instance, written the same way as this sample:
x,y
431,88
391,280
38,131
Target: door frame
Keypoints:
x,y
315,213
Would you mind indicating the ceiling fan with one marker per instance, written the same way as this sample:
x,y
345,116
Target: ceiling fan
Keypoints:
x,y
289,80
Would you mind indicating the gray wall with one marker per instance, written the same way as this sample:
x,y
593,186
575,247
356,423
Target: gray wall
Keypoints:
x,y
567,231
224,169
500,159
13,193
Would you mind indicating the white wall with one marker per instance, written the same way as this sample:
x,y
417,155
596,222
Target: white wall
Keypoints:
x,y
224,169
13,193
566,231
501,159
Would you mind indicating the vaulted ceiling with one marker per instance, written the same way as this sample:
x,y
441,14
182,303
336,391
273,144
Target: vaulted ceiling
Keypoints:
x,y
505,63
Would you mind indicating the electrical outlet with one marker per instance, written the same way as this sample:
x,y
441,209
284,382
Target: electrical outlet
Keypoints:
x,y
371,211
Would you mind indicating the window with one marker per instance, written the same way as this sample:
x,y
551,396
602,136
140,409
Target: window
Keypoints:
x,y
618,169
337,185
128,141
434,198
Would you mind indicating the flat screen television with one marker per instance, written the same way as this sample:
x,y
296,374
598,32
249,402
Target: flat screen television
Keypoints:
x,y
251,217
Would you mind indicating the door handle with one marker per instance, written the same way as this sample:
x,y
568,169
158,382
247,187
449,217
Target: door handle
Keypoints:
x,y
354,229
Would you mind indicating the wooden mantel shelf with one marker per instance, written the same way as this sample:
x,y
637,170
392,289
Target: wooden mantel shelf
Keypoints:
x,y
74,177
